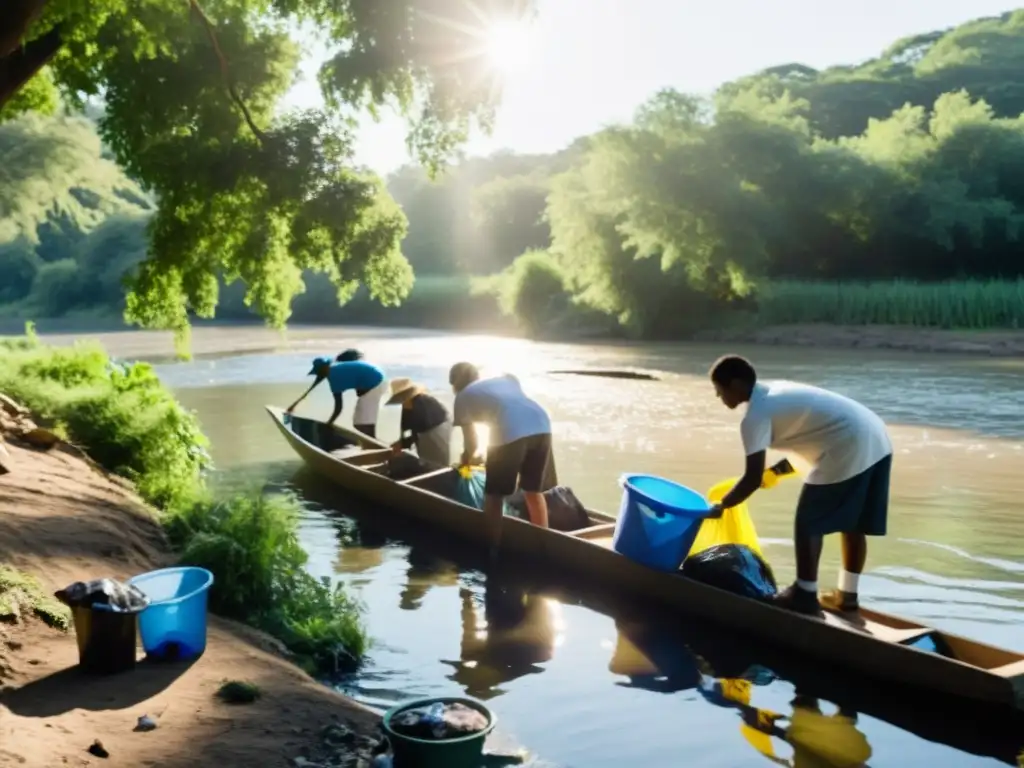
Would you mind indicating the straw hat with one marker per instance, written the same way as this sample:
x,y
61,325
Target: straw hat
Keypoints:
x,y
403,389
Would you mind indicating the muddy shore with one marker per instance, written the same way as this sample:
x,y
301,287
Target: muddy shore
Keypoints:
x,y
63,520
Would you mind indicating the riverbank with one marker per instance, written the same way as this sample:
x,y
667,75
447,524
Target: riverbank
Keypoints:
x,y
62,519
251,338
887,337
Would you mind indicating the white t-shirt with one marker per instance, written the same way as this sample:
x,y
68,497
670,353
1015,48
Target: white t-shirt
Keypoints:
x,y
838,436
501,405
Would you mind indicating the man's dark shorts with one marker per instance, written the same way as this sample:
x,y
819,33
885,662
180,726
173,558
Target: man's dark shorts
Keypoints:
x,y
525,460
857,505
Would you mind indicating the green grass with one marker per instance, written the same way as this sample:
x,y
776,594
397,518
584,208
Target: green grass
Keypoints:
x,y
21,593
967,304
120,414
131,424
239,692
250,544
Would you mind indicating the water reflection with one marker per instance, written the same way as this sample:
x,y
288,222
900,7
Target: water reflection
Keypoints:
x,y
511,635
523,635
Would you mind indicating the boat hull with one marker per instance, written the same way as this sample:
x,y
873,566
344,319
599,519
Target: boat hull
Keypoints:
x,y
872,643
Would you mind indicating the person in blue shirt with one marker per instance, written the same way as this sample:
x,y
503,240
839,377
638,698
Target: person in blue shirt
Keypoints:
x,y
350,371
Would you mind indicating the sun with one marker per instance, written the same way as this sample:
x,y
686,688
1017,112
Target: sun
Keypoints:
x,y
508,46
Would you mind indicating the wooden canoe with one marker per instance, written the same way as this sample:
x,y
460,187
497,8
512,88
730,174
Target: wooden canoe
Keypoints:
x,y
885,647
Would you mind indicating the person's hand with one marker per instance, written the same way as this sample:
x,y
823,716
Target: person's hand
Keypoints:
x,y
396,448
466,460
716,511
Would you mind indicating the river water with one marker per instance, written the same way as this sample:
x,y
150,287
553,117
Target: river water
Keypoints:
x,y
578,682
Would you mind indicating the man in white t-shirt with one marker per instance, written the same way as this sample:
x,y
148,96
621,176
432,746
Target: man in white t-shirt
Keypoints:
x,y
846,492
519,449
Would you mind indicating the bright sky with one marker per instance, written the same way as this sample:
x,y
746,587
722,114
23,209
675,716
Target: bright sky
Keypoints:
x,y
587,63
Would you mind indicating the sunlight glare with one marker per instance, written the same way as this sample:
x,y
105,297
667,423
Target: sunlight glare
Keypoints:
x,y
508,46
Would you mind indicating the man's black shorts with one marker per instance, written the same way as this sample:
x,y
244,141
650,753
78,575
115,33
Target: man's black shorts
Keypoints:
x,y
857,505
525,460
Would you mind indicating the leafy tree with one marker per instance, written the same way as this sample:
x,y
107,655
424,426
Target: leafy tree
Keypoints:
x,y
509,212
984,57
190,110
18,267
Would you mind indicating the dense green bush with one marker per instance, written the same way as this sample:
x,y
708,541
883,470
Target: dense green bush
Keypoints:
x,y
57,287
121,415
532,290
128,422
250,545
18,267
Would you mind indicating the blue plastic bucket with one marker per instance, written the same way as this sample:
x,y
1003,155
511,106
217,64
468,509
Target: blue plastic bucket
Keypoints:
x,y
173,626
658,521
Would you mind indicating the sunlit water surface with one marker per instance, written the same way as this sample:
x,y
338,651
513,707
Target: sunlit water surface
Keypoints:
x,y
579,685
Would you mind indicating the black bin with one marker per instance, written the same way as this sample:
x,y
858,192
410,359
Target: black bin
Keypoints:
x,y
106,639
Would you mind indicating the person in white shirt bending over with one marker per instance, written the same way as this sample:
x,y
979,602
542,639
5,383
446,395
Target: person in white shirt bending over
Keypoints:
x,y
520,440
846,492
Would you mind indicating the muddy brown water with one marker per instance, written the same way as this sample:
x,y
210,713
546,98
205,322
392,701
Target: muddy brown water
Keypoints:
x,y
582,682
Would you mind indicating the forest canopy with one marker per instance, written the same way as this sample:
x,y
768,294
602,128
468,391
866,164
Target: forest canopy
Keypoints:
x,y
244,190
777,195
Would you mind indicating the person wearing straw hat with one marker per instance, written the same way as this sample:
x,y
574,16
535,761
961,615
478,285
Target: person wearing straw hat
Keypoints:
x,y
426,423
350,371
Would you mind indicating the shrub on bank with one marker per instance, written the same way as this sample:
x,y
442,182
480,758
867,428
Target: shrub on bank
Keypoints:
x,y
128,422
250,544
120,414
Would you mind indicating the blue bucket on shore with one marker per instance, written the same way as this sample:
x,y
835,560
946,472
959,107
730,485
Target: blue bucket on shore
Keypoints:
x,y
173,625
658,521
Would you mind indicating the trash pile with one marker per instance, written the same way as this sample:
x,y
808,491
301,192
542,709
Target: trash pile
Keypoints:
x,y
565,512
735,568
440,722
103,594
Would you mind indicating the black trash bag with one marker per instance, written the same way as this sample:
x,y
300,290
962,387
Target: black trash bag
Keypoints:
x,y
735,568
565,512
122,598
440,721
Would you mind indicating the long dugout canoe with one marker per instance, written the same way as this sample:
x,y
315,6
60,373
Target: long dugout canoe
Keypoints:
x,y
890,649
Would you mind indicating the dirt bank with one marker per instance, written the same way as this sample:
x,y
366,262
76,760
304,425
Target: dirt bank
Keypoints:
x,y
61,520
891,337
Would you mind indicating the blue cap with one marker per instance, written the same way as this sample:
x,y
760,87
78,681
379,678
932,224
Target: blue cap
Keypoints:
x,y
318,363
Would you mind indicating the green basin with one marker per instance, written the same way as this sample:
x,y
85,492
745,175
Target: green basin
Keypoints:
x,y
463,752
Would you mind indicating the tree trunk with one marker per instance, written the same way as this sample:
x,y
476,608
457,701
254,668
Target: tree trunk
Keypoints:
x,y
17,17
18,66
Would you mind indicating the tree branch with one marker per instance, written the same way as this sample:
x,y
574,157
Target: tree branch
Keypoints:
x,y
225,72
18,16
17,67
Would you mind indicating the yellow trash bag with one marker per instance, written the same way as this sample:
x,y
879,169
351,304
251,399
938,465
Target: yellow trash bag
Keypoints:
x,y
735,525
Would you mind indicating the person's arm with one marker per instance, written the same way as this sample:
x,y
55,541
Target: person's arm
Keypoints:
x,y
337,408
469,444
747,484
757,437
312,386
